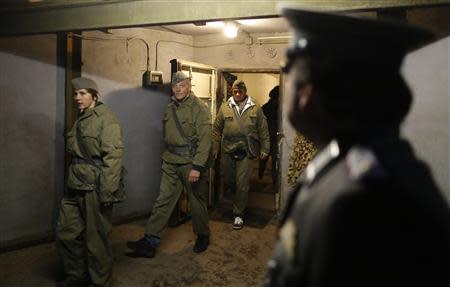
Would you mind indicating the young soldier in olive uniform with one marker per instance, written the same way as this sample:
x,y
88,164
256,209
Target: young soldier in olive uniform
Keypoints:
x,y
84,222
241,129
185,159
366,211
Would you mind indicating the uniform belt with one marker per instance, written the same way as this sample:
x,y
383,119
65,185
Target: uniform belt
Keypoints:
x,y
80,160
179,150
235,138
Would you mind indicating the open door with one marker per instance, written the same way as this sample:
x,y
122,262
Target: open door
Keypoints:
x,y
203,79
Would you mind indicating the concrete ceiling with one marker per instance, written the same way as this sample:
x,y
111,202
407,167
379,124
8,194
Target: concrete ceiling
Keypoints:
x,y
262,25
18,17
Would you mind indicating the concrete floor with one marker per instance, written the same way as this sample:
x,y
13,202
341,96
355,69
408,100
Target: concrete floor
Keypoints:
x,y
234,258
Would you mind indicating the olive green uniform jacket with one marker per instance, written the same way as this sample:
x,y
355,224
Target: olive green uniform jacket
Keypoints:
x,y
226,130
195,121
102,137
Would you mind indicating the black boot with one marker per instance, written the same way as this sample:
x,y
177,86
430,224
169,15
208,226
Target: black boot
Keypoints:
x,y
144,247
136,244
201,244
73,283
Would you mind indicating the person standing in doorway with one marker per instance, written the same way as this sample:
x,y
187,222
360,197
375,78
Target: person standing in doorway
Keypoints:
x,y
240,129
187,139
94,184
270,110
366,211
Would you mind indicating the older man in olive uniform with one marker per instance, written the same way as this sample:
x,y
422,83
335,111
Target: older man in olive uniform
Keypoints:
x,y
366,211
187,138
93,185
241,130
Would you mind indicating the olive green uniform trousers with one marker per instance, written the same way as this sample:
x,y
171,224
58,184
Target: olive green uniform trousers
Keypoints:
x,y
82,235
237,175
174,178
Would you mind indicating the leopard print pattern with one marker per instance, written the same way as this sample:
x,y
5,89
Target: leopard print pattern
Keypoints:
x,y
302,152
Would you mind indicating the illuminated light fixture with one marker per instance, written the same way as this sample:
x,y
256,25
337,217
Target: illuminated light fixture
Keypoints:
x,y
273,40
248,22
215,24
230,29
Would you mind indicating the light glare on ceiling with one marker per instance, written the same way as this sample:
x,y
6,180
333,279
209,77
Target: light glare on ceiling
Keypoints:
x,y
249,22
230,30
215,24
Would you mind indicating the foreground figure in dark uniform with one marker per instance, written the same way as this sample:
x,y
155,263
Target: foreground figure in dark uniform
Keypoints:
x,y
366,211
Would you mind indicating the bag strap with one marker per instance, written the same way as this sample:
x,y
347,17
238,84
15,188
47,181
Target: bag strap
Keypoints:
x,y
83,149
88,157
180,128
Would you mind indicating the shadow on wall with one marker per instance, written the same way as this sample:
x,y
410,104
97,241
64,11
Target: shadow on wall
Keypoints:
x,y
26,169
140,112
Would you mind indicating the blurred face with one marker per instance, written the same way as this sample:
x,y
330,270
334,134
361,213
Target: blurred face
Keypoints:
x,y
84,99
181,90
239,95
305,111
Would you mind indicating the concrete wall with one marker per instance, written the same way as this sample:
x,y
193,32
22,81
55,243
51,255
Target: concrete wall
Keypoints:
x,y
428,124
118,67
259,85
220,52
31,137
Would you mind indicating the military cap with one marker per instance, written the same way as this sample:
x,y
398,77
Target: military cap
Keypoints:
x,y
360,39
179,77
239,85
84,83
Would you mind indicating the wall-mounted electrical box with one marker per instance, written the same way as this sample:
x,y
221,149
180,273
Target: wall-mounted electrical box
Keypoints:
x,y
152,78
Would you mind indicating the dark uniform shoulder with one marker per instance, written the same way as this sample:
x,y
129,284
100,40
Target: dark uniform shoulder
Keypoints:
x,y
362,164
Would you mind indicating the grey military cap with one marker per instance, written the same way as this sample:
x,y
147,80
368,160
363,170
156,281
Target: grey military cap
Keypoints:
x,y
239,85
84,83
179,77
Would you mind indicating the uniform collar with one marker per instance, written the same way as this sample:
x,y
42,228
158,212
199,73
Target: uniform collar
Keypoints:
x,y
249,103
91,111
185,100
320,161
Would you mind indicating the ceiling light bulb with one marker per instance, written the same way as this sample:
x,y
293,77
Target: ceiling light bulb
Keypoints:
x,y
230,30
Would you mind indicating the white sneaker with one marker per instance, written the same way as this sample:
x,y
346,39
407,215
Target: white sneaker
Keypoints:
x,y
238,223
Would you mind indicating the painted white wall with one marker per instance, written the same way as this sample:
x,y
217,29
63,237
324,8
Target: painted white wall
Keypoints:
x,y
117,68
259,85
428,123
31,137
218,51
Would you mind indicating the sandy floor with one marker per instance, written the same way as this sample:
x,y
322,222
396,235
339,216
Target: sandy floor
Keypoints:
x,y
234,258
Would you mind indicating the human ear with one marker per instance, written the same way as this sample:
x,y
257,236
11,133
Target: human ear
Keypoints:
x,y
304,95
